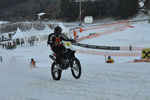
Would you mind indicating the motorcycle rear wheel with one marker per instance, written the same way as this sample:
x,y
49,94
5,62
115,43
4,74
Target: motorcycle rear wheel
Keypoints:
x,y
56,73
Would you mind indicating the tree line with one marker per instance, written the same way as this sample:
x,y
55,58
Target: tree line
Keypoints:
x,y
66,9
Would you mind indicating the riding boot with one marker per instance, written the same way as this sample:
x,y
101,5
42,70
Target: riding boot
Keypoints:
x,y
58,66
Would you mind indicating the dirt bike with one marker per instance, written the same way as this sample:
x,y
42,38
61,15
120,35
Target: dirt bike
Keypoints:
x,y
69,60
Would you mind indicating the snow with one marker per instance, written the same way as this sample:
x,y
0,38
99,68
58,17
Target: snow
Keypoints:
x,y
124,38
99,81
40,14
32,32
3,22
141,4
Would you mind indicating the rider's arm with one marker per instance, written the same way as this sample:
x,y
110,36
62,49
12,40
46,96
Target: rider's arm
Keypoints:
x,y
65,38
48,41
51,39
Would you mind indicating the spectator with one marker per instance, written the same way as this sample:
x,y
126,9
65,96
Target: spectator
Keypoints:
x,y
3,45
30,42
13,43
110,60
2,37
10,36
21,43
32,62
9,43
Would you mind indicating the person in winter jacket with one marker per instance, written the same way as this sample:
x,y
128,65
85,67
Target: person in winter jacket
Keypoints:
x,y
110,60
32,62
55,41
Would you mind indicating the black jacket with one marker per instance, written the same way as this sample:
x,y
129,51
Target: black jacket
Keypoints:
x,y
54,39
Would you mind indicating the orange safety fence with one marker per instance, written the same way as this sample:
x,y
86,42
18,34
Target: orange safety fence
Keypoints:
x,y
87,37
103,33
105,25
75,34
80,29
102,53
139,61
132,48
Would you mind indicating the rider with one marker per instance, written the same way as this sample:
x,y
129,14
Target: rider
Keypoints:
x,y
55,41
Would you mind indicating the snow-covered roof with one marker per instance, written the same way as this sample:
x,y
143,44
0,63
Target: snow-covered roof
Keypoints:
x,y
19,34
3,22
40,14
46,31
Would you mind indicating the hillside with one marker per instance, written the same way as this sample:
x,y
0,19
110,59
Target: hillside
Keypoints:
x,y
19,10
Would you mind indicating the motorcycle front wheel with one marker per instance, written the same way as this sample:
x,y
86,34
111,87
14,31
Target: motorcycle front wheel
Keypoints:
x,y
76,69
56,73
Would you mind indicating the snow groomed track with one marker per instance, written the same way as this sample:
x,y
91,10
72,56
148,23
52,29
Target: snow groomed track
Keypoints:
x,y
116,27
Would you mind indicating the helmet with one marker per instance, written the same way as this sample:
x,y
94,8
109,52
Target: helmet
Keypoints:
x,y
109,57
57,30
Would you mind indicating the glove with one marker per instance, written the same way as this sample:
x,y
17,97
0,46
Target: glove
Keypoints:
x,y
73,41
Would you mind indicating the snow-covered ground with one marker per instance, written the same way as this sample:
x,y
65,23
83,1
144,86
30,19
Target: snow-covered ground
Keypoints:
x,y
99,81
3,22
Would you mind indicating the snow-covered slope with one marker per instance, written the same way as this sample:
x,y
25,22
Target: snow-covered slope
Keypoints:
x,y
99,81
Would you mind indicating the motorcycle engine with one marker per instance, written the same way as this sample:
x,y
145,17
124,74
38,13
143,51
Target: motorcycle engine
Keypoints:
x,y
66,63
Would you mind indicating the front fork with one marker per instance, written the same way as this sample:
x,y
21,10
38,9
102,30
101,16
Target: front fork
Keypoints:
x,y
71,61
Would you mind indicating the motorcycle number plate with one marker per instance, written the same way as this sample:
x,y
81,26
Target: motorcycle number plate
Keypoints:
x,y
68,44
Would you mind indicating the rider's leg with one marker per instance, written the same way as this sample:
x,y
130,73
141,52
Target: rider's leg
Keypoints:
x,y
55,49
60,56
62,51
58,62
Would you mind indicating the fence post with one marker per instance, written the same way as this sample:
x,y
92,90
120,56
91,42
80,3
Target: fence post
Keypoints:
x,y
1,59
130,48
